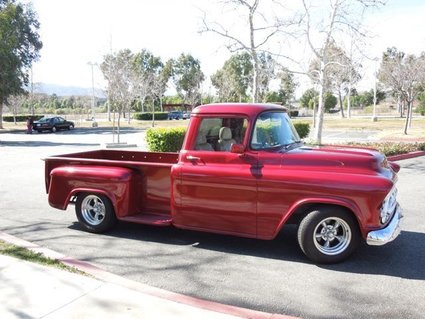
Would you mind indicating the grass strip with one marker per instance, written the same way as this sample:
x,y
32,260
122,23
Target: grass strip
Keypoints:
x,y
31,256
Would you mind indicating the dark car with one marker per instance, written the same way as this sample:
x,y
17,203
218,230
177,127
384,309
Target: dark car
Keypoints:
x,y
175,115
52,124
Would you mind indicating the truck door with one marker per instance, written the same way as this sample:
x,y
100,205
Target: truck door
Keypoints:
x,y
218,190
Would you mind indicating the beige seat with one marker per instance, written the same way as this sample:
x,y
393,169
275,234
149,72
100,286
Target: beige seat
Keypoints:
x,y
225,139
202,144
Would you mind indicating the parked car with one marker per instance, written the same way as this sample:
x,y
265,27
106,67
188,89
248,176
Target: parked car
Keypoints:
x,y
52,124
175,115
186,115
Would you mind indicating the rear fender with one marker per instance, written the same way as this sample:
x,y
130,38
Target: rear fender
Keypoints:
x,y
114,182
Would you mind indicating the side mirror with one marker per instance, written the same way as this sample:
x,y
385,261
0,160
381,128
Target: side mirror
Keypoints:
x,y
237,148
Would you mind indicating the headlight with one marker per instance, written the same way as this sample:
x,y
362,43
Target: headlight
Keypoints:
x,y
388,205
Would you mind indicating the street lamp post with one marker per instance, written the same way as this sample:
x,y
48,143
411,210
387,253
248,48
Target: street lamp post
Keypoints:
x,y
92,86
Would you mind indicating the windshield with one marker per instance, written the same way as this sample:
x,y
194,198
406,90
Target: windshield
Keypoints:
x,y
273,130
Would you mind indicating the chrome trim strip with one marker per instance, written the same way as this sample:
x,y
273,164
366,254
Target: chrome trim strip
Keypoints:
x,y
385,235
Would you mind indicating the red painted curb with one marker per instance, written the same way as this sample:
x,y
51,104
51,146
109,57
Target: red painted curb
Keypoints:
x,y
405,156
156,292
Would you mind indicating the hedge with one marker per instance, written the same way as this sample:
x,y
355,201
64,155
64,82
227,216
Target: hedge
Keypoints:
x,y
171,139
391,148
160,116
303,129
21,118
165,139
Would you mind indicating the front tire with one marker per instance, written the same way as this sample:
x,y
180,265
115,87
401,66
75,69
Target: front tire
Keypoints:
x,y
54,129
328,235
95,212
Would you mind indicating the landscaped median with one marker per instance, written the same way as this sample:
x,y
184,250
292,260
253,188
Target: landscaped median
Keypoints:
x,y
396,150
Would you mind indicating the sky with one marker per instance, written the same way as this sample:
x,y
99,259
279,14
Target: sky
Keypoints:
x,y
78,32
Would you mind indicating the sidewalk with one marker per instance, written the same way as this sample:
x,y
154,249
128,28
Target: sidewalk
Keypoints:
x,y
30,290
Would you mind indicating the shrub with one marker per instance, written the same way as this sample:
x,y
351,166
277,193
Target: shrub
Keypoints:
x,y
303,129
389,148
160,116
165,139
21,118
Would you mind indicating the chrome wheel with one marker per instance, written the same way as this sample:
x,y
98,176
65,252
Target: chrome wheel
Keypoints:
x,y
332,236
93,210
328,234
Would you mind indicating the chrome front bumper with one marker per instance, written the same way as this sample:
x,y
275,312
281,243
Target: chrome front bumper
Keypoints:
x,y
385,235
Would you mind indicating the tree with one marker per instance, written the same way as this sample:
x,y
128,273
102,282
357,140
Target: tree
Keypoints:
x,y
19,47
118,70
259,34
287,85
151,76
233,79
266,73
187,77
405,75
321,31
308,98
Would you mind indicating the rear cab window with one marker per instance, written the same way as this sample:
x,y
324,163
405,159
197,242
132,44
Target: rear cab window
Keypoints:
x,y
217,134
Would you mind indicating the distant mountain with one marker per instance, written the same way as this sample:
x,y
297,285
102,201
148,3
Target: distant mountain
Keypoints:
x,y
61,90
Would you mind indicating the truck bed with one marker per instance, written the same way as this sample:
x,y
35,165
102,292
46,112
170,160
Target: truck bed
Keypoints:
x,y
152,186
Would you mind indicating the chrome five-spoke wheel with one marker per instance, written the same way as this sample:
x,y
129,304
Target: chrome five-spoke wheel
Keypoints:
x,y
332,236
95,212
328,234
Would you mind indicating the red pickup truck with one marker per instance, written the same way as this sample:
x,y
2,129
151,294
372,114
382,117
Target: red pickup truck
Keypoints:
x,y
242,171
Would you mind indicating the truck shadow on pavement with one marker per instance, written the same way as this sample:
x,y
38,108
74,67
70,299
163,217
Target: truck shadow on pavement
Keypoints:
x,y
403,258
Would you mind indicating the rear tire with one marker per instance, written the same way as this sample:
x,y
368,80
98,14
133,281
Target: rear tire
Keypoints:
x,y
328,235
54,129
95,212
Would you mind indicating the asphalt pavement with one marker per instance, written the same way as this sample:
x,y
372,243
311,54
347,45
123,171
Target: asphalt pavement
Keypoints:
x,y
272,277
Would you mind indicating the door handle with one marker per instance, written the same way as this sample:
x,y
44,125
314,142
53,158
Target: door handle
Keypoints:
x,y
192,158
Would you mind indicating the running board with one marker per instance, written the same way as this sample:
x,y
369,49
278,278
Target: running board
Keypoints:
x,y
148,219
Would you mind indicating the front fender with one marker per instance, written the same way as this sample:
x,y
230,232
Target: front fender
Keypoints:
x,y
113,182
297,207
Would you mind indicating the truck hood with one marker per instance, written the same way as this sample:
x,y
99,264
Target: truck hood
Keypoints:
x,y
338,159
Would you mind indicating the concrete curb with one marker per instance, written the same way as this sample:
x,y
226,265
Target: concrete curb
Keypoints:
x,y
406,156
142,288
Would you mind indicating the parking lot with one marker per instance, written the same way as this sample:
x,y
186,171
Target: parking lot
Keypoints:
x,y
377,282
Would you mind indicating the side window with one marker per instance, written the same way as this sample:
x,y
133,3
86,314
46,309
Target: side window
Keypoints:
x,y
219,133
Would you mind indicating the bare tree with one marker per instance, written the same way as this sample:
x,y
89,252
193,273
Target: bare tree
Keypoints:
x,y
341,16
118,71
405,75
260,31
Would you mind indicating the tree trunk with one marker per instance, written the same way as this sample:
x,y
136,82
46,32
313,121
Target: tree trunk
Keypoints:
x,y
340,103
1,113
348,97
321,109
406,124
399,108
153,113
119,126
254,58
